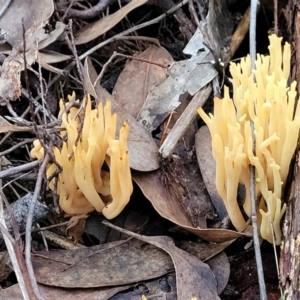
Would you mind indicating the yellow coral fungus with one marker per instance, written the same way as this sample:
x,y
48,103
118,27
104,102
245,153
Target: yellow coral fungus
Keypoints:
x,y
263,97
82,184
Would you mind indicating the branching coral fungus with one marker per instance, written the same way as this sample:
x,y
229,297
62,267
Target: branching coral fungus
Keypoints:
x,y
83,185
264,98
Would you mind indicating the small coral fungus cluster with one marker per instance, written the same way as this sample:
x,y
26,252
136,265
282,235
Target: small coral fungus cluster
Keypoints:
x,y
82,184
263,98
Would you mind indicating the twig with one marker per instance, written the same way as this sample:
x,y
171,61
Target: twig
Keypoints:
x,y
72,47
276,17
19,169
27,141
260,271
28,261
193,12
87,13
252,32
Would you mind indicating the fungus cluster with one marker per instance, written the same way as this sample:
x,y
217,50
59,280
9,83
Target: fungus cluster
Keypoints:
x,y
83,185
262,98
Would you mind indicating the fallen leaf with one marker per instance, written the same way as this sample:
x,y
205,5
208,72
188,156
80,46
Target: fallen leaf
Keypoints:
x,y
45,39
218,261
193,277
138,77
93,30
110,264
52,57
143,152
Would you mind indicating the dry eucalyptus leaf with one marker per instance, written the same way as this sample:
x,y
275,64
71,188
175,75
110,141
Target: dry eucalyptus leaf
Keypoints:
x,y
218,261
28,13
46,58
138,77
5,126
50,293
187,76
110,264
193,277
143,152
52,57
45,39
93,30
153,187
207,166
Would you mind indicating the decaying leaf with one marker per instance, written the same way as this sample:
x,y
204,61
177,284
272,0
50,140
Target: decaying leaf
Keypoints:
x,y
143,152
218,263
93,30
52,57
138,77
105,265
46,58
193,277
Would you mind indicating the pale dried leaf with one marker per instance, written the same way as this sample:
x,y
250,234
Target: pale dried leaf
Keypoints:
x,y
46,39
138,77
27,13
93,30
52,57
52,69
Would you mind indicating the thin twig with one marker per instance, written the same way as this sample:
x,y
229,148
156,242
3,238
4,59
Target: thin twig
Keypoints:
x,y
28,261
11,149
19,169
276,17
87,13
260,271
